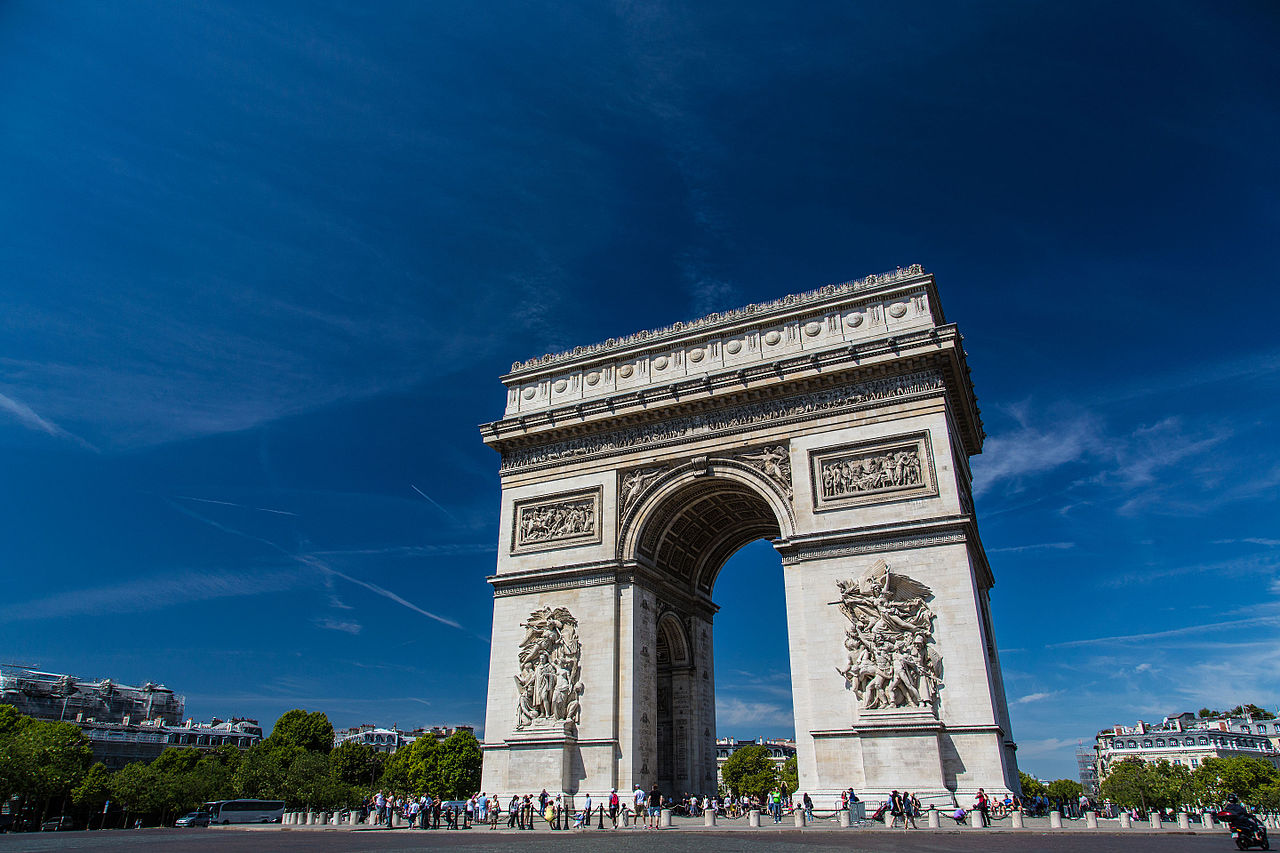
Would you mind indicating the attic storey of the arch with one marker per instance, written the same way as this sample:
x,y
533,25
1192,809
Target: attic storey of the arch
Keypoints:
x,y
838,424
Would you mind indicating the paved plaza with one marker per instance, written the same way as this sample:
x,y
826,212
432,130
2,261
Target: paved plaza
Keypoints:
x,y
735,839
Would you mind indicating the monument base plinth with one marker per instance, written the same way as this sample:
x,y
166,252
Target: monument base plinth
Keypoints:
x,y
542,753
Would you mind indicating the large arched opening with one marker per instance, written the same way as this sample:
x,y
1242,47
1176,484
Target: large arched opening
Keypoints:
x,y
684,530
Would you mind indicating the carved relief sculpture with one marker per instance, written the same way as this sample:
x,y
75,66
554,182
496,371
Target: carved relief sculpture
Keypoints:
x,y
568,519
549,684
633,484
774,463
871,472
892,661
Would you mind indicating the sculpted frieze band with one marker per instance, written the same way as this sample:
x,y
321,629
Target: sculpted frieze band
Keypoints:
x,y
732,418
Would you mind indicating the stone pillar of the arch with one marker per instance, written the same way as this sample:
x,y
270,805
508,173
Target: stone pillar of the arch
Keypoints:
x,y
592,755
686,750
941,753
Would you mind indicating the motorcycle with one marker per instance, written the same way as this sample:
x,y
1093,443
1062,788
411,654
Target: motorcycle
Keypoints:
x,y
1246,830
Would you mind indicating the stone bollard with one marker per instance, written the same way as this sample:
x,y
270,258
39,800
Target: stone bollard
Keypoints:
x,y
844,819
324,819
1015,819
664,821
709,817
1055,820
1155,820
1091,820
934,821
801,823
1206,820
1184,820
753,818
975,818
1125,822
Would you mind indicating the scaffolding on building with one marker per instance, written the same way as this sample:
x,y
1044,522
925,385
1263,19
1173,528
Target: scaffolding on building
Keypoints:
x,y
58,696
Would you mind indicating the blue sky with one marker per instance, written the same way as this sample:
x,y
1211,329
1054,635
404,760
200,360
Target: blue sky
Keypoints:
x,y
264,262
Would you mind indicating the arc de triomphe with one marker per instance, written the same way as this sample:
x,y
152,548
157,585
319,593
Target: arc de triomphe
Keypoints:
x,y
838,424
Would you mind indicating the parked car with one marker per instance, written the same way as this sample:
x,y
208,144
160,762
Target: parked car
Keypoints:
x,y
58,824
193,819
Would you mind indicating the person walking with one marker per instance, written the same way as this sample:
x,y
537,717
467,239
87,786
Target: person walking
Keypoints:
x,y
910,810
613,807
639,797
895,811
514,807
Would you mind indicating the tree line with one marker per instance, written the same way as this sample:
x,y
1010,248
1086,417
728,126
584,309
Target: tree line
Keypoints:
x,y
47,769
1132,783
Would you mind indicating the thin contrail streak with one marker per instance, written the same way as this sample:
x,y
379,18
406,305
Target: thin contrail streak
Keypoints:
x,y
238,506
314,563
433,502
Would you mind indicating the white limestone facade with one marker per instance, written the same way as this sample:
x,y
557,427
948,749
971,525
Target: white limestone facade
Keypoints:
x,y
838,424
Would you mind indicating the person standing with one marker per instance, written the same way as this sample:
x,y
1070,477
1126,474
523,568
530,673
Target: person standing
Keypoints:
x,y
639,797
655,805
613,807
981,807
808,807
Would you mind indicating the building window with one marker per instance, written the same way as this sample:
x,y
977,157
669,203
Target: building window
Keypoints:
x,y
1159,741
1195,762
1147,743
1204,741
1133,744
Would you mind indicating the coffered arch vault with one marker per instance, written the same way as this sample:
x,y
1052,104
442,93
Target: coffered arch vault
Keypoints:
x,y
688,524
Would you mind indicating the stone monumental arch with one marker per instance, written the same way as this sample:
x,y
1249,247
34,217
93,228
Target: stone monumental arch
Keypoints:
x,y
838,424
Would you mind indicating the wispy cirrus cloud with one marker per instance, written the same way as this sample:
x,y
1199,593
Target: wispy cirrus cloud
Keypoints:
x,y
153,593
345,626
1040,546
735,711
28,417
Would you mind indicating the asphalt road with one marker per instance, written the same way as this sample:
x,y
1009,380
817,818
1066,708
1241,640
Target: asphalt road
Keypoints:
x,y
635,841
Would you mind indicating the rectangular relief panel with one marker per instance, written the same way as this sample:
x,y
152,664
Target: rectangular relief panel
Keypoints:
x,y
560,521
873,472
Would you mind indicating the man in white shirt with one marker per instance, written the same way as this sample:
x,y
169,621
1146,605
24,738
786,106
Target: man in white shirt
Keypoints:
x,y
640,798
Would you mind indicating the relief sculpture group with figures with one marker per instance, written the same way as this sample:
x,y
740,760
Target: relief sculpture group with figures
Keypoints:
x,y
892,662
549,685
871,472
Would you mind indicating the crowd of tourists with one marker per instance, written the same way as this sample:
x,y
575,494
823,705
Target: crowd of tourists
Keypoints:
x,y
644,808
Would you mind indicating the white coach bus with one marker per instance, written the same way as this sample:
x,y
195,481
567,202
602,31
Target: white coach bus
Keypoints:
x,y
244,811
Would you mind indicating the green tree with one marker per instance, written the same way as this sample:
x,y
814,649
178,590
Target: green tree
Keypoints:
x,y
138,789
1216,778
1251,710
309,782
261,771
1065,790
94,789
415,768
1134,783
750,771
356,763
460,760
1031,786
311,731
791,774
11,722
48,759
